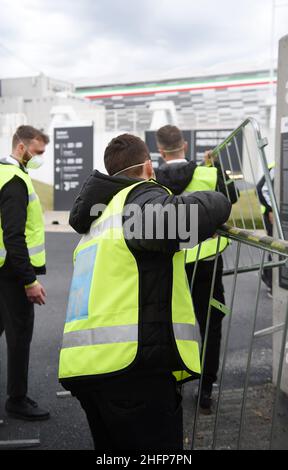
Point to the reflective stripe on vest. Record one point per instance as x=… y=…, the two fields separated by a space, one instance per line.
x=101 y=329
x=204 y=179
x=34 y=229
x=119 y=334
x=32 y=251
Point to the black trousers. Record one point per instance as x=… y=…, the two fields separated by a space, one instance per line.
x=133 y=412
x=17 y=319
x=200 y=296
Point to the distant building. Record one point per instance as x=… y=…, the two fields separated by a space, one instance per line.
x=32 y=99
x=218 y=101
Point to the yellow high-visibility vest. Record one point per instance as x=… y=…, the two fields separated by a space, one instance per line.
x=34 y=229
x=204 y=179
x=102 y=323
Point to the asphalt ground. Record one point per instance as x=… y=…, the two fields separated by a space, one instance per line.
x=67 y=428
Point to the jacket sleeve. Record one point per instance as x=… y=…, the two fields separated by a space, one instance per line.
x=13 y=208
x=93 y=191
x=80 y=218
x=226 y=185
x=213 y=211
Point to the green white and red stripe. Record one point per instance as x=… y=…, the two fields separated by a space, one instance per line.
x=192 y=85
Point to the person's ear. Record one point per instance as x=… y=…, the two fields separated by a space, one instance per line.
x=185 y=146
x=162 y=152
x=149 y=170
x=21 y=147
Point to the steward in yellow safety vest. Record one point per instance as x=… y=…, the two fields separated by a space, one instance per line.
x=267 y=212
x=129 y=311
x=34 y=227
x=22 y=258
x=185 y=178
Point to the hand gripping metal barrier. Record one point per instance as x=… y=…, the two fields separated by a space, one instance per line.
x=241 y=155
x=238 y=429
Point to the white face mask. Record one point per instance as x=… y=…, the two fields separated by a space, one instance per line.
x=133 y=166
x=35 y=162
x=128 y=168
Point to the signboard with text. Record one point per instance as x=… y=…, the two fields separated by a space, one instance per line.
x=208 y=139
x=201 y=140
x=73 y=163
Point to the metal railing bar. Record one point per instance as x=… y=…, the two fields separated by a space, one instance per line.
x=244 y=180
x=204 y=346
x=239 y=205
x=279 y=377
x=226 y=189
x=230 y=137
x=248 y=269
x=261 y=144
x=253 y=176
x=21 y=443
x=247 y=376
x=279 y=247
x=269 y=330
x=226 y=346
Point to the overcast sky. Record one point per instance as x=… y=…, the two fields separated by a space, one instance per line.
x=116 y=41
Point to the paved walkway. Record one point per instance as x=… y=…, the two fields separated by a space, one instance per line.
x=68 y=429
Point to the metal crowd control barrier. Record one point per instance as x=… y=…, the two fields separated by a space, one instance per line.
x=250 y=251
x=240 y=155
x=263 y=244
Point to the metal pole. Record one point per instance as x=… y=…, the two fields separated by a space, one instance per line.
x=204 y=346
x=278 y=247
x=226 y=346
x=261 y=144
x=249 y=269
x=279 y=376
x=245 y=391
x=19 y=444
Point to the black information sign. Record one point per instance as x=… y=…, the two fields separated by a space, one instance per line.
x=73 y=163
x=150 y=139
x=208 y=139
x=283 y=271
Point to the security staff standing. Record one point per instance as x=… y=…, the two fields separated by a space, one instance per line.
x=129 y=331
x=183 y=178
x=22 y=257
x=267 y=212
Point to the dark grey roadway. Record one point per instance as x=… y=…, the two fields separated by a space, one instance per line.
x=67 y=428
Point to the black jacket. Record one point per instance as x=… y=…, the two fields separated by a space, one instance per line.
x=13 y=210
x=213 y=208
x=177 y=176
x=259 y=189
x=157 y=349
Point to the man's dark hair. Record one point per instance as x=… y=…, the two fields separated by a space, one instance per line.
x=124 y=151
x=27 y=133
x=169 y=138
